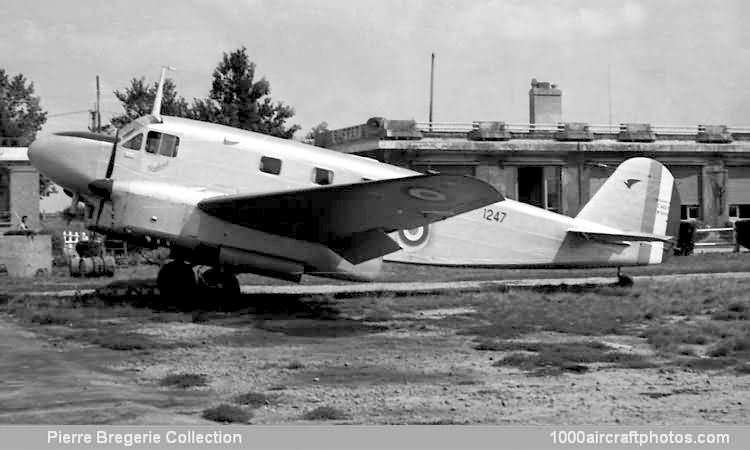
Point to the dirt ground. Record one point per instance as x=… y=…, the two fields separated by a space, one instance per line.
x=395 y=360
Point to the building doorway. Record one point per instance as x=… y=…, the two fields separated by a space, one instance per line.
x=540 y=186
x=531 y=185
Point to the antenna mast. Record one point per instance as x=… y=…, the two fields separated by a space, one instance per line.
x=609 y=93
x=432 y=82
x=97 y=109
x=156 y=109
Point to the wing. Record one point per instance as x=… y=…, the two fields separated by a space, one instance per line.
x=355 y=218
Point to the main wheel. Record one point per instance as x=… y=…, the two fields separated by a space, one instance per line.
x=176 y=282
x=222 y=282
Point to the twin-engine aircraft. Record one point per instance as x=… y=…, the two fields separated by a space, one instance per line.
x=242 y=202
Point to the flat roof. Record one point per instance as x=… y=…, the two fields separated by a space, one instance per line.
x=14 y=154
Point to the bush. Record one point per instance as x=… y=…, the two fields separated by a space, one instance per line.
x=325 y=413
x=227 y=414
x=184 y=380
x=294 y=365
x=253 y=399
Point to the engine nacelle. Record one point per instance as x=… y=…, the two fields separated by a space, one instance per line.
x=242 y=261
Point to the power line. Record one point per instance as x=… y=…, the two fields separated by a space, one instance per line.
x=70 y=113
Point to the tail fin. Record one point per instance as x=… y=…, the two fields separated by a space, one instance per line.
x=640 y=196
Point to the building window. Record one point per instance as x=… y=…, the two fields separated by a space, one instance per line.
x=5 y=215
x=689 y=212
x=739 y=211
x=270 y=165
x=322 y=177
x=134 y=143
x=162 y=144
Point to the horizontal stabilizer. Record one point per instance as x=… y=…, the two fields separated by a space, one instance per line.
x=619 y=238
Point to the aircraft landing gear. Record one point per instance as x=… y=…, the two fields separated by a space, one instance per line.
x=176 y=281
x=220 y=281
x=623 y=280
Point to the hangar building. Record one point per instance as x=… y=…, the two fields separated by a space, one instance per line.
x=559 y=165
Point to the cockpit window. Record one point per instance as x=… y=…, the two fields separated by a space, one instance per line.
x=134 y=143
x=162 y=144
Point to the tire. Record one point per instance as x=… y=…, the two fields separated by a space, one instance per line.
x=98 y=266
x=109 y=266
x=176 y=282
x=87 y=267
x=75 y=266
x=225 y=284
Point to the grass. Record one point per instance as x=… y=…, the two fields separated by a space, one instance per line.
x=254 y=399
x=227 y=414
x=184 y=380
x=687 y=323
x=118 y=341
x=549 y=358
x=701 y=324
x=704 y=262
x=294 y=365
x=325 y=413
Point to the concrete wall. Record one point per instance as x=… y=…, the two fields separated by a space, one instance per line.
x=26 y=256
x=24 y=195
x=495 y=176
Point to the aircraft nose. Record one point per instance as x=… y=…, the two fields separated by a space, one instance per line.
x=67 y=159
x=39 y=153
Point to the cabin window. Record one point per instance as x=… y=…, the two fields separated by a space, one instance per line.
x=322 y=177
x=134 y=143
x=162 y=144
x=270 y=165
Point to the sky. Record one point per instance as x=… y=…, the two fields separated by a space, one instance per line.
x=666 y=62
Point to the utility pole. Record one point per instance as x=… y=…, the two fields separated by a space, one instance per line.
x=98 y=109
x=432 y=82
x=609 y=93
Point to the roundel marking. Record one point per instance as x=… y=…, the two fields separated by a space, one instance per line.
x=426 y=194
x=415 y=236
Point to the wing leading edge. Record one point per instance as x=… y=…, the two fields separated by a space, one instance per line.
x=354 y=219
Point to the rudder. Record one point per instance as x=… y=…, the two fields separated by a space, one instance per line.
x=640 y=196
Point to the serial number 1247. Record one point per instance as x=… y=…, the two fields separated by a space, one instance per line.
x=493 y=215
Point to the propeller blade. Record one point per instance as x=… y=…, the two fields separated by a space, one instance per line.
x=111 y=165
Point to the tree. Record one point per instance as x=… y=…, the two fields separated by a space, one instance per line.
x=21 y=115
x=237 y=100
x=138 y=99
x=316 y=131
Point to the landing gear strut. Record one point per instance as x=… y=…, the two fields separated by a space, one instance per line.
x=622 y=279
x=220 y=281
x=176 y=281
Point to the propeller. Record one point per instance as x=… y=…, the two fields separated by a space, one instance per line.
x=111 y=165
x=103 y=186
